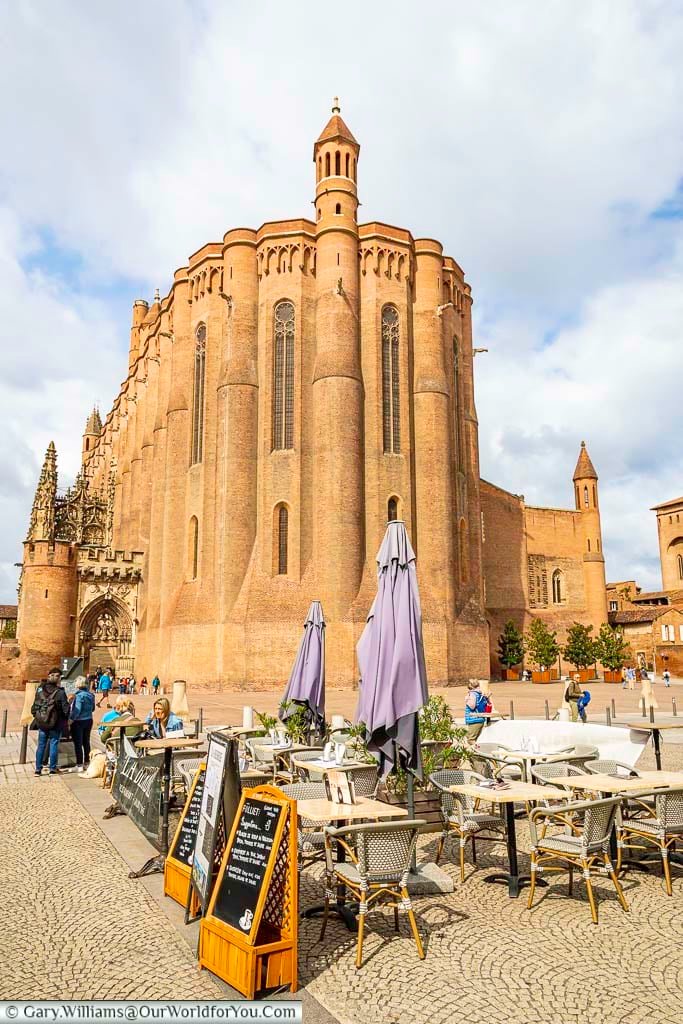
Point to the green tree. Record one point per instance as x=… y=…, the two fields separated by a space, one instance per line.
x=541 y=644
x=510 y=645
x=611 y=647
x=580 y=647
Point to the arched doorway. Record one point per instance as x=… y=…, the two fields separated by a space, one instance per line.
x=105 y=636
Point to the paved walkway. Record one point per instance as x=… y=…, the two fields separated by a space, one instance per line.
x=491 y=961
x=73 y=924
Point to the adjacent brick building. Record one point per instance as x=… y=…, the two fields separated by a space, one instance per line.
x=296 y=387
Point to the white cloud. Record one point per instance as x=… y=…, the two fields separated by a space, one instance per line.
x=533 y=138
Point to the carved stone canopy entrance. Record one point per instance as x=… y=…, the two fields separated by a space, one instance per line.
x=105 y=635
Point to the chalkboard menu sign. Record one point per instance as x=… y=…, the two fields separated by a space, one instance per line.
x=247 y=863
x=186 y=836
x=219 y=799
x=137 y=787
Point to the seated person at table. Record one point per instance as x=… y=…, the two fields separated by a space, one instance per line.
x=161 y=721
x=123 y=709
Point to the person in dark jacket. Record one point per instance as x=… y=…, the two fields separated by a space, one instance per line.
x=82 y=709
x=50 y=710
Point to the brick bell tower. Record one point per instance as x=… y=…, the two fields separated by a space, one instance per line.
x=586 y=497
x=338 y=537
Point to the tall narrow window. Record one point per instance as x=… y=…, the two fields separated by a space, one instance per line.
x=193 y=549
x=282 y=529
x=347 y=165
x=585 y=496
x=198 y=394
x=557 y=587
x=327 y=165
x=464 y=560
x=595 y=496
x=391 y=407
x=680 y=567
x=456 y=407
x=392 y=510
x=283 y=376
x=337 y=163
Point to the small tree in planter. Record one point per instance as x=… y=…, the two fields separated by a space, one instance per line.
x=443 y=746
x=542 y=647
x=298 y=721
x=613 y=651
x=510 y=649
x=580 y=649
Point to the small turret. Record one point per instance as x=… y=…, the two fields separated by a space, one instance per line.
x=335 y=155
x=93 y=429
x=586 y=498
x=140 y=311
x=42 y=522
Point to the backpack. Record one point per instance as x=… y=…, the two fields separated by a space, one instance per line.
x=483 y=705
x=47 y=713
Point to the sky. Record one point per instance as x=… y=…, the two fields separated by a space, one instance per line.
x=541 y=141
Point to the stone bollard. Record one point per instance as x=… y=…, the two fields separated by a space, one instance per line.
x=547 y=712
x=3 y=728
x=512 y=711
x=673 y=705
x=608 y=716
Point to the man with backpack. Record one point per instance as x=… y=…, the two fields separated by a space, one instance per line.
x=477 y=704
x=50 y=710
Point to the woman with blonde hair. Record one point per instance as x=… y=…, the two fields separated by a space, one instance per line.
x=162 y=722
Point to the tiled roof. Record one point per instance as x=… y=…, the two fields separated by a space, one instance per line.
x=631 y=615
x=584 y=466
x=649 y=595
x=8 y=611
x=665 y=504
x=336 y=128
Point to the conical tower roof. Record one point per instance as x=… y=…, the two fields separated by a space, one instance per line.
x=336 y=128
x=584 y=467
x=94 y=424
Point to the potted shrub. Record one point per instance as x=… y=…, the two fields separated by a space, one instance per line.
x=613 y=651
x=542 y=646
x=510 y=650
x=443 y=746
x=580 y=650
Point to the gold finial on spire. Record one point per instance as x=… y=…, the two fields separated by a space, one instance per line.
x=336 y=109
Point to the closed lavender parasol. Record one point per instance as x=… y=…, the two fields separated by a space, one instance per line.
x=393 y=684
x=306 y=684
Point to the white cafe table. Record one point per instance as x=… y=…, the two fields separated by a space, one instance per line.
x=318 y=765
x=327 y=812
x=515 y=792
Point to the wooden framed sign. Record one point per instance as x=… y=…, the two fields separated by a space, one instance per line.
x=249 y=935
x=178 y=864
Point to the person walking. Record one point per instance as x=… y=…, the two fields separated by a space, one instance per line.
x=624 y=677
x=572 y=695
x=666 y=677
x=50 y=710
x=82 y=710
x=105 y=686
x=143 y=686
x=476 y=704
x=131 y=684
x=156 y=683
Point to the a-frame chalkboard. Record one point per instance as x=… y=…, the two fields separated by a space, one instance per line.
x=220 y=796
x=178 y=864
x=249 y=934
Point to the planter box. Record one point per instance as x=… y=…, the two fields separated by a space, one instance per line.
x=612 y=676
x=427 y=806
x=511 y=674
x=540 y=677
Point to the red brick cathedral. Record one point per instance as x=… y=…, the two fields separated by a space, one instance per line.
x=297 y=386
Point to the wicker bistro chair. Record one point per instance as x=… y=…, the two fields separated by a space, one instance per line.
x=260 y=779
x=365 y=780
x=380 y=854
x=490 y=767
x=262 y=758
x=633 y=807
x=545 y=774
x=588 y=850
x=303 y=773
x=187 y=768
x=460 y=816
x=661 y=830
x=310 y=838
x=580 y=756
